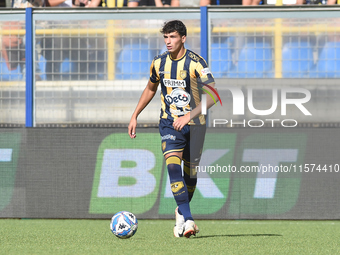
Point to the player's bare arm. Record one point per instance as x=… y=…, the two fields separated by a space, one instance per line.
x=210 y=102
x=147 y=95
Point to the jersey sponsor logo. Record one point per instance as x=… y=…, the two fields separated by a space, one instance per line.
x=178 y=97
x=172 y=83
x=205 y=71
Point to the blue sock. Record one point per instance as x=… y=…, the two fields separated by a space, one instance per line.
x=185 y=208
x=178 y=186
x=190 y=178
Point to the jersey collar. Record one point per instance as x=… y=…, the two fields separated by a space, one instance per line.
x=177 y=59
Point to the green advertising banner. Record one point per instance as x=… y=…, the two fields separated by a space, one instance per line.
x=94 y=173
x=127 y=174
x=211 y=192
x=9 y=153
x=131 y=175
x=267 y=181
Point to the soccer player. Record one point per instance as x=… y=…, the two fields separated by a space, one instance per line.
x=182 y=75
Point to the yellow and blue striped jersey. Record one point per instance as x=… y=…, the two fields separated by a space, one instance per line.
x=181 y=80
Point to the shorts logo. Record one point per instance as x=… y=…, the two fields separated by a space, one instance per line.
x=163 y=145
x=183 y=74
x=178 y=97
x=171 y=137
x=176 y=186
x=173 y=83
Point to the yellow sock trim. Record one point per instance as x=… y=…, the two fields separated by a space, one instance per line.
x=191 y=188
x=186 y=169
x=190 y=170
x=173 y=160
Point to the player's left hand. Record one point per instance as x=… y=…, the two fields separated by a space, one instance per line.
x=180 y=122
x=132 y=128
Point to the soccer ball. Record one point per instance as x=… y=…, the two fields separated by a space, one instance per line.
x=124 y=224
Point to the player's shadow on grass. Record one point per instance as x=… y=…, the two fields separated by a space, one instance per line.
x=241 y=235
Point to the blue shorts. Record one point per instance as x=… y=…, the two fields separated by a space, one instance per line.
x=189 y=140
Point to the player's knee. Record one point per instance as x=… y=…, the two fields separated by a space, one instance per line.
x=178 y=154
x=173 y=163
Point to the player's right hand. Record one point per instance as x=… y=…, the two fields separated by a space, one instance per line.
x=132 y=128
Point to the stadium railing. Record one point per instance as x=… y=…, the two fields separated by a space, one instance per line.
x=89 y=66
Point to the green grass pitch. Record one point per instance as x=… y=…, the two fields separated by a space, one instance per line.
x=42 y=236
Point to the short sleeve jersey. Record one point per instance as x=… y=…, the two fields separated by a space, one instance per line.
x=181 y=82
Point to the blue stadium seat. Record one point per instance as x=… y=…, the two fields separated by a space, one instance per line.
x=297 y=59
x=97 y=69
x=328 y=65
x=221 y=60
x=134 y=62
x=254 y=61
x=42 y=67
x=67 y=68
x=9 y=75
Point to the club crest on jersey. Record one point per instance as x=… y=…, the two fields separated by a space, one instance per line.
x=183 y=74
x=178 y=97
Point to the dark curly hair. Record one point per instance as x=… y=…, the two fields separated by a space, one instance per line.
x=174 y=26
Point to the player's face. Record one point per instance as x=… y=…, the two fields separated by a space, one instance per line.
x=174 y=42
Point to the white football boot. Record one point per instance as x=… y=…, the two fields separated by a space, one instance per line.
x=179 y=226
x=190 y=228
